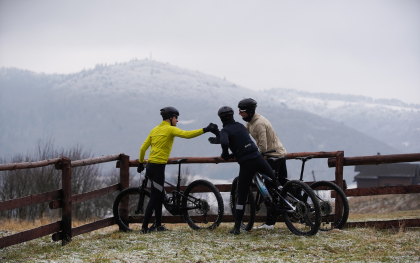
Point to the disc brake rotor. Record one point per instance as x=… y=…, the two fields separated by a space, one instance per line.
x=204 y=207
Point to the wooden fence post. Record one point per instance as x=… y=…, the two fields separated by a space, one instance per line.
x=339 y=180
x=65 y=167
x=125 y=183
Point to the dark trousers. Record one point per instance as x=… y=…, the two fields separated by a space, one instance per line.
x=156 y=174
x=280 y=168
x=247 y=170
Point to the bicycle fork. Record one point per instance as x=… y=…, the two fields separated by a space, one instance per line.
x=140 y=208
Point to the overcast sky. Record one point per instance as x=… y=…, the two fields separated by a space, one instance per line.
x=366 y=47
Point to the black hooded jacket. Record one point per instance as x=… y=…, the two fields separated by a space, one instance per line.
x=235 y=136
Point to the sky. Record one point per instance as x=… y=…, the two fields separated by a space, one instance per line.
x=362 y=47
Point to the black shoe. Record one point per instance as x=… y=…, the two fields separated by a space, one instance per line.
x=145 y=231
x=153 y=227
x=161 y=228
x=158 y=228
x=235 y=231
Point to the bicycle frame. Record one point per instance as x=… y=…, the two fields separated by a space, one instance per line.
x=172 y=204
x=263 y=193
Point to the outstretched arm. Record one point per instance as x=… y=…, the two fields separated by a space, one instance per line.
x=186 y=134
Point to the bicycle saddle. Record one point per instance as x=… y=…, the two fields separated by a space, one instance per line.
x=275 y=159
x=180 y=160
x=305 y=158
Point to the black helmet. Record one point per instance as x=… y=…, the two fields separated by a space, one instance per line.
x=169 y=112
x=225 y=112
x=246 y=104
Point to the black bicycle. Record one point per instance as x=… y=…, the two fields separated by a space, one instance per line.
x=332 y=202
x=200 y=205
x=295 y=201
x=332 y=199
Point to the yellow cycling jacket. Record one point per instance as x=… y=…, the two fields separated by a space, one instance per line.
x=161 y=138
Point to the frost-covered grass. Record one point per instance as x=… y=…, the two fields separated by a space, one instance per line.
x=181 y=244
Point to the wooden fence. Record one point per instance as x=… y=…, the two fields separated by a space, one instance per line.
x=63 y=199
x=375 y=160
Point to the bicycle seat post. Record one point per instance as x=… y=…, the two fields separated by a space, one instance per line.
x=303 y=167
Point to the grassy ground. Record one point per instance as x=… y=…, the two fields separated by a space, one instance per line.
x=181 y=244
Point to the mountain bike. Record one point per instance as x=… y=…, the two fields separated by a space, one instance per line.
x=200 y=204
x=332 y=201
x=295 y=201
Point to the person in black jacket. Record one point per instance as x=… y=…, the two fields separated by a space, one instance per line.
x=234 y=136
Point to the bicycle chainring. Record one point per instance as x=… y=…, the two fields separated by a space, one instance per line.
x=134 y=213
x=301 y=210
x=326 y=208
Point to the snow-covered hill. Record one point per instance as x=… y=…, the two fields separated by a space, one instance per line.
x=111 y=109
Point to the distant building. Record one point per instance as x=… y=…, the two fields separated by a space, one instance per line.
x=392 y=174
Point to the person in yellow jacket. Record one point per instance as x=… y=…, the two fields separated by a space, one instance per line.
x=266 y=138
x=161 y=139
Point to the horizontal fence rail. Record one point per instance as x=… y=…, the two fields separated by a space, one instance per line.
x=377 y=159
x=216 y=159
x=30 y=200
x=16 y=166
x=385 y=190
x=30 y=234
x=96 y=160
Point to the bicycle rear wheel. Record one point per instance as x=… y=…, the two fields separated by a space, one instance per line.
x=249 y=214
x=202 y=205
x=305 y=219
x=334 y=205
x=125 y=208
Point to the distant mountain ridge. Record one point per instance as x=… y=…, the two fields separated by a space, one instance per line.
x=389 y=120
x=111 y=109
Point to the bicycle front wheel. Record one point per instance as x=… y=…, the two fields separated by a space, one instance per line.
x=334 y=205
x=249 y=209
x=302 y=212
x=128 y=213
x=202 y=205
